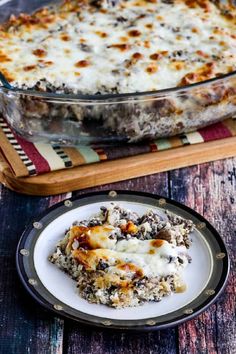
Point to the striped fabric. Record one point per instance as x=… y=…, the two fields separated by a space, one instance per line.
x=30 y=159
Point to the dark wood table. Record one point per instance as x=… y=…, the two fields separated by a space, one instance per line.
x=25 y=327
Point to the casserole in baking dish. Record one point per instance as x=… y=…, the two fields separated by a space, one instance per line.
x=103 y=71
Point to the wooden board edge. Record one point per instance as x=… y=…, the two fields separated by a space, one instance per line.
x=117 y=170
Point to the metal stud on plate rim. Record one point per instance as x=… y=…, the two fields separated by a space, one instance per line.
x=68 y=203
x=37 y=225
x=32 y=281
x=220 y=255
x=201 y=226
x=151 y=323
x=58 y=307
x=210 y=292
x=112 y=194
x=24 y=252
x=107 y=323
x=162 y=201
x=188 y=311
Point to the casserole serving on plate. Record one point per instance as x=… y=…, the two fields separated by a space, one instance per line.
x=122 y=71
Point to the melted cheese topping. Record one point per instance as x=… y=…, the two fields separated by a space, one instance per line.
x=137 y=45
x=90 y=237
x=91 y=245
x=131 y=261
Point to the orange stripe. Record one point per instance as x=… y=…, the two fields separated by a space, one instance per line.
x=175 y=141
x=101 y=154
x=103 y=157
x=231 y=125
x=76 y=158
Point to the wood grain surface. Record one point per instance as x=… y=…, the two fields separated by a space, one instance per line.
x=26 y=327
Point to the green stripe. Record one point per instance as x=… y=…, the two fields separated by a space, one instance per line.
x=88 y=154
x=163 y=144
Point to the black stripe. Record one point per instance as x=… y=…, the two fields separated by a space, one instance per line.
x=28 y=164
x=33 y=172
x=68 y=164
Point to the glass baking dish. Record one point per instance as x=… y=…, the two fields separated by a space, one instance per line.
x=114 y=118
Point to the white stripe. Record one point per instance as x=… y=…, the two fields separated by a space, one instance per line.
x=22 y=153
x=54 y=161
x=30 y=168
x=194 y=138
x=10 y=135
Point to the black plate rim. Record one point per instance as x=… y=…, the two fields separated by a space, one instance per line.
x=186 y=317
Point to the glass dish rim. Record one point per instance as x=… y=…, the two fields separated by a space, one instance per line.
x=148 y=95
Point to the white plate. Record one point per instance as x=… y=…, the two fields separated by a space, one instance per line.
x=205 y=276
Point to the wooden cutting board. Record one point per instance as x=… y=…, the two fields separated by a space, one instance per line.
x=117 y=170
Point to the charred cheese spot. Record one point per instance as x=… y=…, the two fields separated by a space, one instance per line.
x=164 y=52
x=124 y=39
x=204 y=4
x=40 y=53
x=202 y=54
x=46 y=63
x=222 y=43
x=152 y=69
x=90 y=237
x=134 y=33
x=137 y=56
x=65 y=37
x=157 y=242
x=130 y=267
x=30 y=67
x=155 y=56
x=4 y=58
x=101 y=34
x=82 y=63
x=103 y=11
x=122 y=46
x=178 y=65
x=146 y=44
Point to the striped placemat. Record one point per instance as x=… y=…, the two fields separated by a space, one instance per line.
x=31 y=159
